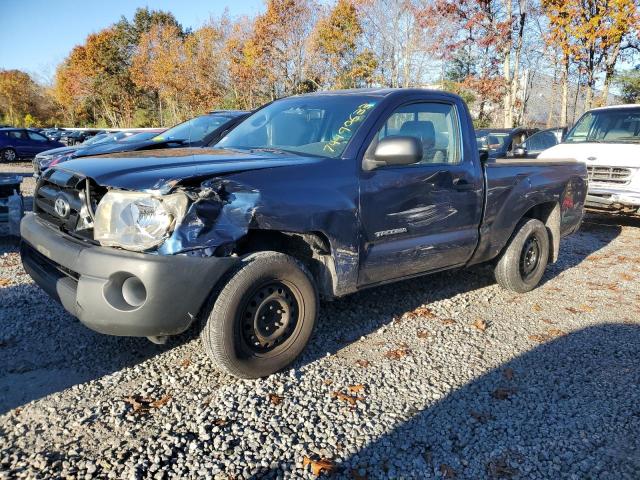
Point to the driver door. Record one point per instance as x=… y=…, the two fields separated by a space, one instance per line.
x=424 y=216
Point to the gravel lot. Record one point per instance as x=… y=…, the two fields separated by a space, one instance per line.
x=446 y=376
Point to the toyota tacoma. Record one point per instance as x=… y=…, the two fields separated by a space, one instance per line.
x=312 y=196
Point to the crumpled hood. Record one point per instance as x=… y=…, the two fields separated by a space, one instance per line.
x=162 y=169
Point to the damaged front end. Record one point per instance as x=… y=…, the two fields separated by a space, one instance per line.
x=219 y=215
x=201 y=221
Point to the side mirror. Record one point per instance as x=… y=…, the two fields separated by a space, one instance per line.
x=394 y=151
x=520 y=151
x=484 y=155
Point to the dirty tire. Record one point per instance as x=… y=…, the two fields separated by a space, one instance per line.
x=262 y=317
x=525 y=258
x=8 y=155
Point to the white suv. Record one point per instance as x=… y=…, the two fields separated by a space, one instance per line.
x=608 y=140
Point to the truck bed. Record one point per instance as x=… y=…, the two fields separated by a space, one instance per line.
x=514 y=186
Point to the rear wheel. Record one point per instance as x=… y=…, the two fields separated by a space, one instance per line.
x=522 y=264
x=8 y=155
x=263 y=317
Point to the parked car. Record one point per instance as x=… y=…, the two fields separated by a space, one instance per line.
x=198 y=132
x=42 y=160
x=80 y=136
x=322 y=194
x=607 y=139
x=500 y=142
x=538 y=142
x=53 y=133
x=18 y=143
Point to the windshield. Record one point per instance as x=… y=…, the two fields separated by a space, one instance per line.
x=138 y=137
x=607 y=126
x=194 y=130
x=494 y=141
x=316 y=125
x=96 y=139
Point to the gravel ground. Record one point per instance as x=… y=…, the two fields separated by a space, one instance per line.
x=446 y=376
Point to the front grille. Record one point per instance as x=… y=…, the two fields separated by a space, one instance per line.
x=70 y=189
x=615 y=175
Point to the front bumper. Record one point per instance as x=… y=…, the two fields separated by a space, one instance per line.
x=89 y=282
x=612 y=199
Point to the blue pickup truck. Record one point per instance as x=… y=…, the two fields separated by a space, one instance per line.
x=317 y=195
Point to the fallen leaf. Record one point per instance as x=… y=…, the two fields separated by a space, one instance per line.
x=424 y=312
x=508 y=373
x=327 y=381
x=4 y=282
x=275 y=399
x=481 y=417
x=144 y=404
x=480 y=324
x=536 y=308
x=548 y=335
x=220 y=422
x=499 y=468
x=556 y=332
x=423 y=334
x=345 y=398
x=448 y=321
x=447 y=471
x=572 y=310
x=320 y=466
x=357 y=476
x=503 y=393
x=363 y=363
x=397 y=353
x=355 y=388
x=626 y=276
x=162 y=401
x=185 y=362
x=549 y=322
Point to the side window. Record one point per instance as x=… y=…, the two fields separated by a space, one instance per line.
x=36 y=136
x=541 y=141
x=434 y=124
x=18 y=135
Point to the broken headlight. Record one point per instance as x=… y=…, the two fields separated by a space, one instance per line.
x=137 y=221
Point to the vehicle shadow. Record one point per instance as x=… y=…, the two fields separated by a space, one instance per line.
x=374 y=308
x=44 y=350
x=566 y=409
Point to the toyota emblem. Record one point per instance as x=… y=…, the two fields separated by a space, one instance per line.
x=62 y=208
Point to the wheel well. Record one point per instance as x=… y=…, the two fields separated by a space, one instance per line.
x=549 y=214
x=312 y=249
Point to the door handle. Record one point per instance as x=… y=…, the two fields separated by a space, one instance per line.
x=461 y=185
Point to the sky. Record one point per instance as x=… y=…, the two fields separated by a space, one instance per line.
x=36 y=35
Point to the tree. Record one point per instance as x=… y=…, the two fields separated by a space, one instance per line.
x=23 y=102
x=336 y=56
x=559 y=37
x=629 y=83
x=392 y=31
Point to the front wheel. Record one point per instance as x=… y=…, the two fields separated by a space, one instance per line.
x=8 y=155
x=522 y=264
x=263 y=317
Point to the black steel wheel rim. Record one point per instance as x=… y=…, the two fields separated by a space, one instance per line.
x=270 y=317
x=530 y=258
